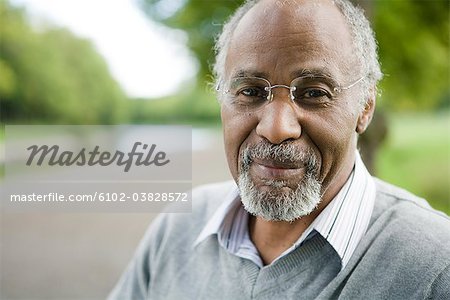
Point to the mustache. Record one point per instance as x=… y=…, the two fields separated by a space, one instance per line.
x=285 y=152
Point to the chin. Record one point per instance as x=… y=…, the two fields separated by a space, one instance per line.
x=277 y=202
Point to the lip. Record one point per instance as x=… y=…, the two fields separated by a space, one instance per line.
x=270 y=169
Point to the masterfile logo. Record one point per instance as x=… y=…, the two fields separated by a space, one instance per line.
x=62 y=153
x=97 y=168
x=53 y=156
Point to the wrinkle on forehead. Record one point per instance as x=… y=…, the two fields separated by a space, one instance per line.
x=293 y=14
x=313 y=28
x=270 y=7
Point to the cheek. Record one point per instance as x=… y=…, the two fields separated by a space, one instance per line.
x=236 y=130
x=335 y=137
x=337 y=127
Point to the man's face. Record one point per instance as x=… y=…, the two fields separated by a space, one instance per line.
x=277 y=43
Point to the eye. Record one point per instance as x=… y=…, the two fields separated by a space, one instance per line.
x=253 y=92
x=314 y=93
x=312 y=90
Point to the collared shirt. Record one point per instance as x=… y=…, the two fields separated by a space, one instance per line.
x=342 y=223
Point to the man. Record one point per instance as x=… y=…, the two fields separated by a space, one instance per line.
x=303 y=219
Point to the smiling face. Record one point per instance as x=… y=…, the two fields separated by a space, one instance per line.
x=278 y=43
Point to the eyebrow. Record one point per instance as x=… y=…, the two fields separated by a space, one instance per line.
x=317 y=72
x=249 y=73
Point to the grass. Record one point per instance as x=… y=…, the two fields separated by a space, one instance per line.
x=416 y=156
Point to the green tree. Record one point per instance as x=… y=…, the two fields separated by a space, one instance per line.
x=415 y=54
x=48 y=75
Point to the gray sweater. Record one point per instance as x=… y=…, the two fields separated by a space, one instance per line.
x=405 y=254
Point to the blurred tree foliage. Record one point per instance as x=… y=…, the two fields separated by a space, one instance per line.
x=202 y=20
x=412 y=34
x=49 y=75
x=415 y=53
x=198 y=107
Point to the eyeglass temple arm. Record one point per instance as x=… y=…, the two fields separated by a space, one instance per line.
x=353 y=84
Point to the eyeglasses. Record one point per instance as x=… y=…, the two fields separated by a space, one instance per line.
x=252 y=93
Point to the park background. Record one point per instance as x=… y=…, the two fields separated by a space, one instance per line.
x=50 y=75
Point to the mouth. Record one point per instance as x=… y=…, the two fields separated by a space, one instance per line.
x=278 y=170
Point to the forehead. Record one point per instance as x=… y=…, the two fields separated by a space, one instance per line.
x=286 y=38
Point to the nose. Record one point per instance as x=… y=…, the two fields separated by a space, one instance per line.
x=278 y=122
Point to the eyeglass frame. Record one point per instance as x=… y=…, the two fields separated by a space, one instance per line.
x=337 y=89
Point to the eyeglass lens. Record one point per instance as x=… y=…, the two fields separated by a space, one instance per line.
x=252 y=93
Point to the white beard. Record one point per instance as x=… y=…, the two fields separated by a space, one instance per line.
x=278 y=203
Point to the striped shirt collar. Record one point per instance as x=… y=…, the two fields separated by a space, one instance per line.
x=342 y=223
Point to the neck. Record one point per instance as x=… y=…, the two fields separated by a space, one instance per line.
x=272 y=238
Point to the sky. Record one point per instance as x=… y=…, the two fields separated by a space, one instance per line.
x=147 y=59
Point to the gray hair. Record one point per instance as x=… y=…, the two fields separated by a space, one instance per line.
x=364 y=43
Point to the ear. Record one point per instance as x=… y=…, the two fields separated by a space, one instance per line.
x=366 y=114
